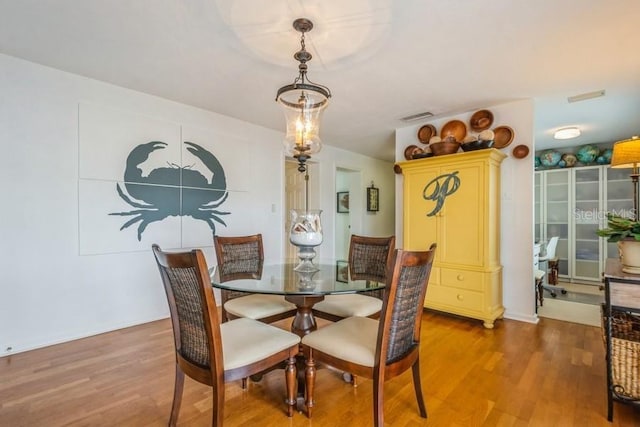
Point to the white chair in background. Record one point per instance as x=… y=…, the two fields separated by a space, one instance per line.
x=550 y=260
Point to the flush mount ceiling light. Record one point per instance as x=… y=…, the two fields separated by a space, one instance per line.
x=303 y=103
x=567 y=133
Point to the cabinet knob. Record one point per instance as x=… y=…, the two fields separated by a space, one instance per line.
x=460 y=277
x=460 y=297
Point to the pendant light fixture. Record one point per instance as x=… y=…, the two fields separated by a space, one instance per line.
x=303 y=103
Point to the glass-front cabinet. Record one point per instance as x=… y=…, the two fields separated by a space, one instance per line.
x=572 y=204
x=587 y=206
x=556 y=212
x=537 y=206
x=618 y=199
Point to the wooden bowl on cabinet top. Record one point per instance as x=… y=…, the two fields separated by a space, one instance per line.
x=454 y=128
x=444 y=147
x=477 y=145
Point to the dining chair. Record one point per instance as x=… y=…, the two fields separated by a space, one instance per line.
x=242 y=257
x=379 y=349
x=212 y=352
x=369 y=259
x=550 y=260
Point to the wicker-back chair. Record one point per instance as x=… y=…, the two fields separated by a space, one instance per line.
x=378 y=349
x=242 y=257
x=208 y=351
x=369 y=259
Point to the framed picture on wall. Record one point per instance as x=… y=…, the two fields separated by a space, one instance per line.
x=343 y=202
x=342 y=271
x=373 y=199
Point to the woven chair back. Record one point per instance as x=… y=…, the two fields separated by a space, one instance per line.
x=192 y=305
x=402 y=310
x=370 y=257
x=239 y=257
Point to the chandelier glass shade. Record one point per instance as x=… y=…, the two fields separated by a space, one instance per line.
x=303 y=110
x=303 y=103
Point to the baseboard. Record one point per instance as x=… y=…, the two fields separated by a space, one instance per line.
x=528 y=318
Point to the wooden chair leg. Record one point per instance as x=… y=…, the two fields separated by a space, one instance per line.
x=378 y=402
x=218 y=404
x=177 y=396
x=350 y=378
x=553 y=273
x=310 y=378
x=540 y=291
x=291 y=375
x=418 y=387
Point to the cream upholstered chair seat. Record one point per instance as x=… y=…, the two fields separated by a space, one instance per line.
x=246 y=341
x=349 y=305
x=369 y=259
x=352 y=340
x=258 y=306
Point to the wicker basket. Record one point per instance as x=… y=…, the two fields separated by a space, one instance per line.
x=625 y=352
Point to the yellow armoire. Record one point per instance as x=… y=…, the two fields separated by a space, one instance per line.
x=454 y=200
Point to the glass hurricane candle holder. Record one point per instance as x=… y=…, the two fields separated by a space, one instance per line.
x=306 y=234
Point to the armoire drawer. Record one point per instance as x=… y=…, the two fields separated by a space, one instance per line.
x=463 y=279
x=439 y=296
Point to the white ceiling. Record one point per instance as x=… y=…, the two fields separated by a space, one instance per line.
x=382 y=59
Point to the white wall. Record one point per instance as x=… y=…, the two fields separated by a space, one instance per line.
x=51 y=293
x=516 y=240
x=381 y=223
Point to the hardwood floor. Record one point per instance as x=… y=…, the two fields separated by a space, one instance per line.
x=518 y=374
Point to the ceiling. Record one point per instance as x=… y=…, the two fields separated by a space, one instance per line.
x=382 y=59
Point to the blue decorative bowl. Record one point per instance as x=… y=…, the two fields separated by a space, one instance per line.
x=606 y=154
x=587 y=154
x=549 y=158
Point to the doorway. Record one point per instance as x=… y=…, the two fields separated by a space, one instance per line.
x=348 y=216
x=295 y=196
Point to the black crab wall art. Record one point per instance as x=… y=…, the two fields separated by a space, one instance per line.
x=145 y=180
x=172 y=190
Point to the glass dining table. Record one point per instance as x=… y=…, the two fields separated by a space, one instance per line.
x=304 y=289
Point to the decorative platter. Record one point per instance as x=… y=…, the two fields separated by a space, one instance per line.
x=426 y=132
x=520 y=151
x=503 y=136
x=481 y=120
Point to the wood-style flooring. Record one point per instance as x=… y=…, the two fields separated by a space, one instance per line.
x=518 y=374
